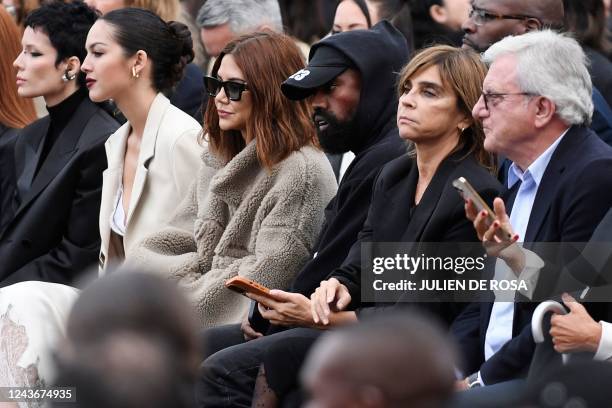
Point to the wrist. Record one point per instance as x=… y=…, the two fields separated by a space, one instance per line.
x=514 y=257
x=338 y=319
x=594 y=337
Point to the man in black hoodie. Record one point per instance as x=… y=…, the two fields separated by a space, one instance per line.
x=352 y=80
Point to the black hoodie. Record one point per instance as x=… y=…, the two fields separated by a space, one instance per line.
x=379 y=54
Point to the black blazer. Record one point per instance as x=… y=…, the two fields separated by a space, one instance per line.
x=573 y=197
x=439 y=217
x=8 y=136
x=54 y=234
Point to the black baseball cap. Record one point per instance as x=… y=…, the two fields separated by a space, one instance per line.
x=325 y=64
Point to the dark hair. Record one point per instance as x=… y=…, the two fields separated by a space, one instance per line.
x=168 y=45
x=398 y=12
x=66 y=25
x=141 y=303
x=280 y=126
x=587 y=20
x=303 y=20
x=426 y=31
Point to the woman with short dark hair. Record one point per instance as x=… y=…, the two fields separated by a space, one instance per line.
x=59 y=159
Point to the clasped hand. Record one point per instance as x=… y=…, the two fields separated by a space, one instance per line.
x=284 y=308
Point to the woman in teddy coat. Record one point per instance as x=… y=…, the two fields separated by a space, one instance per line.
x=260 y=215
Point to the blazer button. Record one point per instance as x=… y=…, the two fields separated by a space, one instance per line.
x=26 y=243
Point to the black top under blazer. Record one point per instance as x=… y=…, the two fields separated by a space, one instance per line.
x=439 y=216
x=54 y=233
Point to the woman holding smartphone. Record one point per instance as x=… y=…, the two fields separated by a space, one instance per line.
x=260 y=214
x=413 y=201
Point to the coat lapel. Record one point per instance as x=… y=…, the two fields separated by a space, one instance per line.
x=147 y=150
x=111 y=179
x=61 y=152
x=26 y=159
x=549 y=184
x=397 y=202
x=431 y=198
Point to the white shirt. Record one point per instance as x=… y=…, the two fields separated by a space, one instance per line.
x=345 y=162
x=501 y=321
x=117 y=221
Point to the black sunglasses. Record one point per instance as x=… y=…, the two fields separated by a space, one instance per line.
x=233 y=89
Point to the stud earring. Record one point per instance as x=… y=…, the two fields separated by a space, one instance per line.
x=134 y=73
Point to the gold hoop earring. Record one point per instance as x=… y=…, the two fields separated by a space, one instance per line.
x=134 y=73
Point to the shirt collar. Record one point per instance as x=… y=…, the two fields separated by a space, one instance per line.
x=536 y=170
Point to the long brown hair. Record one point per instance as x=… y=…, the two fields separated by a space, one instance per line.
x=15 y=111
x=464 y=72
x=279 y=126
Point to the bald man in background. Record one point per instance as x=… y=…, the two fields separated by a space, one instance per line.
x=393 y=361
x=492 y=20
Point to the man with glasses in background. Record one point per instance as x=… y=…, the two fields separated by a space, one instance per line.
x=535 y=108
x=491 y=20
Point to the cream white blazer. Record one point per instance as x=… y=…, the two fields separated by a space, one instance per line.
x=167 y=165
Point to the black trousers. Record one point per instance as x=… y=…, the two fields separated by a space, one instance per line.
x=227 y=375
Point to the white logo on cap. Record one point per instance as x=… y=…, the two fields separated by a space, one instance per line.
x=301 y=74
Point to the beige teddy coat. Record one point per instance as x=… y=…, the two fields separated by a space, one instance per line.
x=249 y=221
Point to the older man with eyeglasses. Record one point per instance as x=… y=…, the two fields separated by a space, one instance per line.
x=535 y=109
x=491 y=20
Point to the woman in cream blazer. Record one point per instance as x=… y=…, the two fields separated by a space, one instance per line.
x=153 y=158
x=168 y=160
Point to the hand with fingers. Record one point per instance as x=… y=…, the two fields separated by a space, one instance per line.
x=494 y=235
x=247 y=330
x=284 y=308
x=575 y=331
x=330 y=296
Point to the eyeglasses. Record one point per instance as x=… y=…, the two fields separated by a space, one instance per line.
x=233 y=89
x=480 y=16
x=497 y=97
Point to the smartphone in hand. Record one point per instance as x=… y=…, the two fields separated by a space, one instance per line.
x=243 y=285
x=465 y=189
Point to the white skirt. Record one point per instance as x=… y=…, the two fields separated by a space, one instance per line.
x=33 y=318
